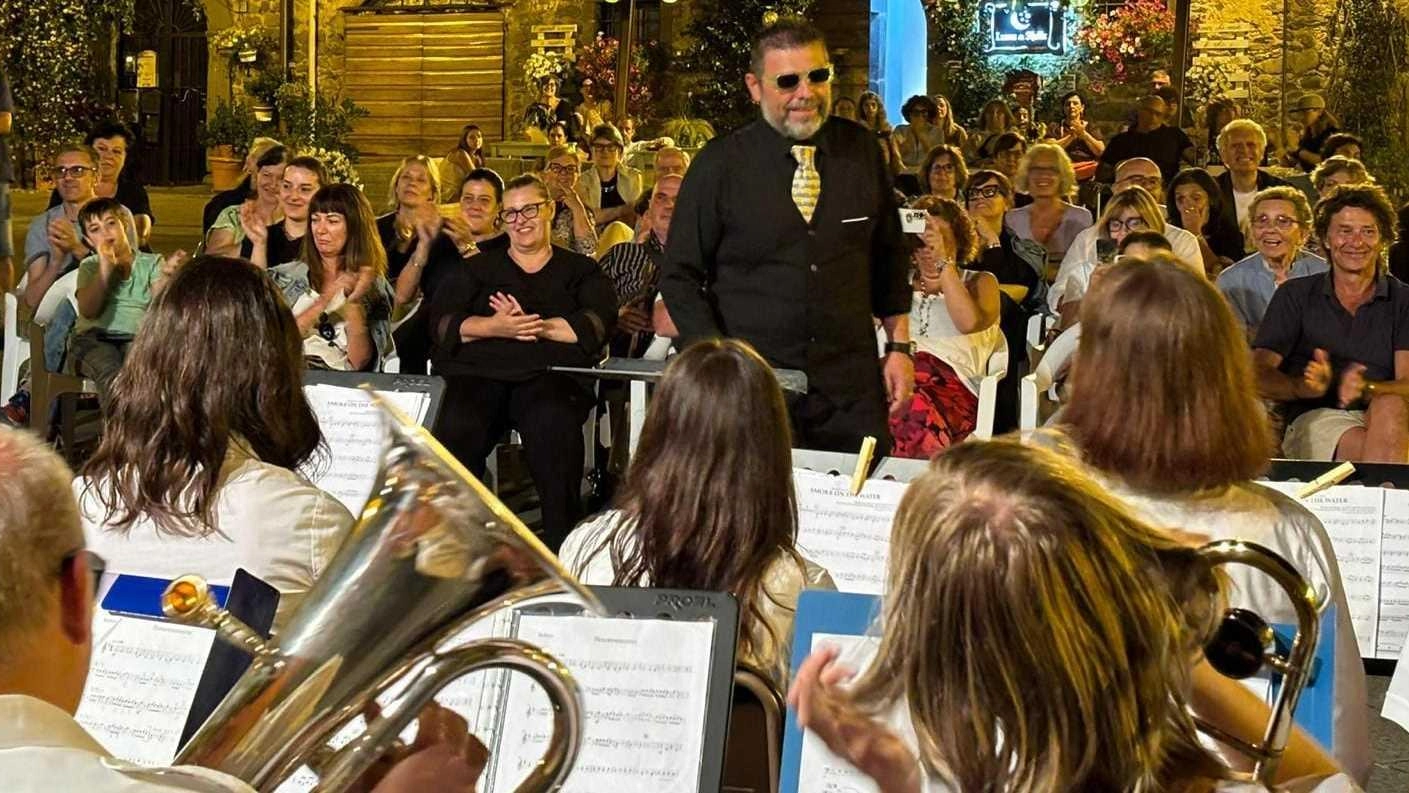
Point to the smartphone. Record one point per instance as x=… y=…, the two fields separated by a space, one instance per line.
x=1105 y=252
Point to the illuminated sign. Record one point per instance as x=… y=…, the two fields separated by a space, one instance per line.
x=1026 y=28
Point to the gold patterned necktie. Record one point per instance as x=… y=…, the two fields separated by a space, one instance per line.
x=807 y=183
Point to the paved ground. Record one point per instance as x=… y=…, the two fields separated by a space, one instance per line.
x=178 y=211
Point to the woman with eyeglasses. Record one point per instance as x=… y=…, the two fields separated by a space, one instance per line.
x=919 y=134
x=549 y=108
x=954 y=323
x=338 y=290
x=1128 y=210
x=944 y=173
x=1046 y=174
x=499 y=327
x=610 y=187
x=227 y=233
x=1280 y=221
x=574 y=226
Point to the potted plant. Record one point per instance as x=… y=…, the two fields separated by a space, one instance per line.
x=263 y=90
x=688 y=133
x=243 y=45
x=226 y=136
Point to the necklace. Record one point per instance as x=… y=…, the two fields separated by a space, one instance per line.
x=923 y=322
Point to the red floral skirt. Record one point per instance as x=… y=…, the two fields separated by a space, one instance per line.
x=942 y=411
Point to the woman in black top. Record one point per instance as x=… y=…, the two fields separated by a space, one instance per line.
x=499 y=327
x=1196 y=205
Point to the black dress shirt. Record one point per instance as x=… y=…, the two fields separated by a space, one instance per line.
x=1165 y=145
x=742 y=262
x=570 y=286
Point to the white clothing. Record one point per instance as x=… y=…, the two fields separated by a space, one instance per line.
x=1242 y=202
x=269 y=520
x=42 y=749
x=1396 y=707
x=583 y=554
x=934 y=332
x=333 y=352
x=1251 y=512
x=1075 y=271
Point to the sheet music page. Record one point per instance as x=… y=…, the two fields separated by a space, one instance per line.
x=849 y=535
x=644 y=687
x=1394 y=575
x=1353 y=516
x=820 y=771
x=141 y=683
x=352 y=427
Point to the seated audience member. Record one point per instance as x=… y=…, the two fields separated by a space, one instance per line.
x=919 y=135
x=468 y=155
x=636 y=150
x=444 y=244
x=1342 y=144
x=338 y=290
x=1151 y=137
x=241 y=192
x=115 y=286
x=53 y=245
x=1081 y=259
x=549 y=109
x=227 y=233
x=670 y=161
x=280 y=243
x=415 y=188
x=845 y=107
x=557 y=135
x=1026 y=126
x=1280 y=226
x=1047 y=176
x=1008 y=151
x=48 y=592
x=1184 y=458
x=573 y=224
x=1243 y=144
x=943 y=173
x=1196 y=205
x=196 y=470
x=1336 y=171
x=1082 y=145
x=609 y=187
x=499 y=326
x=994 y=119
x=1144 y=245
x=1318 y=125
x=112 y=141
x=634 y=268
x=871 y=114
x=1025 y=601
x=1342 y=382
x=715 y=447
x=954 y=324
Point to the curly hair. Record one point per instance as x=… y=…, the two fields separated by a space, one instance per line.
x=947 y=209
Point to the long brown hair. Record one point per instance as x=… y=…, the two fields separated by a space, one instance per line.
x=218 y=358
x=708 y=501
x=1162 y=384
x=363 y=249
x=1039 y=636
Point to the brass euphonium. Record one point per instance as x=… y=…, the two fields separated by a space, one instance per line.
x=1244 y=643
x=433 y=552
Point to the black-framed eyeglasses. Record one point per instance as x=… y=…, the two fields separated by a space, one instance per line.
x=603 y=146
x=987 y=191
x=1129 y=224
x=97 y=565
x=528 y=212
x=560 y=170
x=791 y=80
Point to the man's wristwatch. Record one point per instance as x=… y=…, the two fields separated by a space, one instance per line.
x=902 y=347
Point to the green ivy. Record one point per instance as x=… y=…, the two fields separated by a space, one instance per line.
x=1367 y=95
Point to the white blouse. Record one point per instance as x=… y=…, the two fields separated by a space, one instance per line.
x=269 y=521
x=782 y=584
x=934 y=332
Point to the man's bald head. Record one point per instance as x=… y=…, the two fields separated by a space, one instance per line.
x=1139 y=172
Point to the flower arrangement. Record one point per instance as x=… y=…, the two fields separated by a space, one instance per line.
x=543 y=64
x=243 y=37
x=1137 y=32
x=597 y=62
x=336 y=163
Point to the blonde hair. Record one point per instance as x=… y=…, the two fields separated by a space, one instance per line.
x=1241 y=125
x=1040 y=637
x=1137 y=198
x=432 y=173
x=1067 y=187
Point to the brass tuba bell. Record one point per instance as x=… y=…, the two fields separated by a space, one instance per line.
x=433 y=552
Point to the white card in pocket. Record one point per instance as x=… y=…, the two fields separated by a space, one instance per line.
x=912 y=221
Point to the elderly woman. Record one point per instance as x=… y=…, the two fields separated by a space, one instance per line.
x=227 y=233
x=499 y=329
x=954 y=322
x=1336 y=171
x=1196 y=205
x=1280 y=225
x=915 y=138
x=943 y=173
x=573 y=225
x=1046 y=174
x=1082 y=145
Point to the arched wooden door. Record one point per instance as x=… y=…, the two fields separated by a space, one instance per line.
x=167 y=116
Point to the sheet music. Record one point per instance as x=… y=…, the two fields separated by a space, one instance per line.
x=1353 y=516
x=1394 y=575
x=848 y=535
x=141 y=682
x=644 y=689
x=352 y=427
x=819 y=770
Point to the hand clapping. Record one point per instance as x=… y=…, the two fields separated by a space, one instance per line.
x=1316 y=377
x=510 y=321
x=254 y=225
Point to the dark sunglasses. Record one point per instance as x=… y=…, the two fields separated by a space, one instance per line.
x=97 y=565
x=791 y=80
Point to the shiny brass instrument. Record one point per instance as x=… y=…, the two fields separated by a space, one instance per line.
x=1244 y=643
x=433 y=552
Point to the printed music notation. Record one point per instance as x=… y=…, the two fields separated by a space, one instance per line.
x=352 y=427
x=141 y=683
x=819 y=770
x=847 y=534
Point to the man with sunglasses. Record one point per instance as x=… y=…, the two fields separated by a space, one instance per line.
x=48 y=584
x=786 y=235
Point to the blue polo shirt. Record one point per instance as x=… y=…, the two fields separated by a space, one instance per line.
x=1249 y=284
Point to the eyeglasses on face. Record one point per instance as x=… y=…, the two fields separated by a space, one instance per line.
x=604 y=145
x=72 y=171
x=560 y=170
x=987 y=191
x=1115 y=225
x=96 y=565
x=1280 y=222
x=527 y=212
x=791 y=80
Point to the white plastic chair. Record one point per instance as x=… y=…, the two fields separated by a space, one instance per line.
x=988 y=390
x=1037 y=327
x=16 y=348
x=1037 y=392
